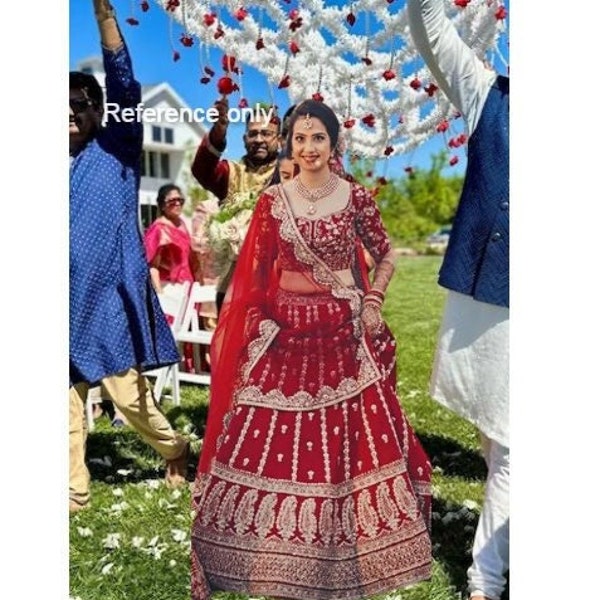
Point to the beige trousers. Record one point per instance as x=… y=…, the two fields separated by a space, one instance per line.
x=133 y=396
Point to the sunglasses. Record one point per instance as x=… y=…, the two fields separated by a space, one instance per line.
x=268 y=134
x=78 y=105
x=174 y=201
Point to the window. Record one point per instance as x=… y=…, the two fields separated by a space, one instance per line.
x=164 y=165
x=156 y=134
x=156 y=165
x=168 y=135
x=148 y=213
x=152 y=166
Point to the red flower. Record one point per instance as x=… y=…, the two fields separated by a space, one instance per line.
x=209 y=71
x=367 y=60
x=294 y=14
x=176 y=56
x=389 y=1
x=349 y=123
x=462 y=3
x=145 y=6
x=260 y=44
x=218 y=33
x=294 y=49
x=369 y=173
x=415 y=84
x=500 y=13
x=204 y=79
x=462 y=139
x=243 y=103
x=350 y=19
x=132 y=21
x=186 y=40
x=443 y=126
x=369 y=120
x=172 y=5
x=431 y=89
x=452 y=143
x=389 y=150
x=209 y=18
x=388 y=74
x=382 y=181
x=225 y=85
x=453 y=161
x=285 y=82
x=241 y=13
x=317 y=97
x=228 y=64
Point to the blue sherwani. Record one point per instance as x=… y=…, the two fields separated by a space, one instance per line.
x=115 y=319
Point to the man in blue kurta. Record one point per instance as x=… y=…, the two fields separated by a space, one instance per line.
x=116 y=326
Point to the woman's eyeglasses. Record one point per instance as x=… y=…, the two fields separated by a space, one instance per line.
x=174 y=201
x=78 y=105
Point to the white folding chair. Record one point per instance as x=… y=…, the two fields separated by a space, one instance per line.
x=190 y=331
x=174 y=304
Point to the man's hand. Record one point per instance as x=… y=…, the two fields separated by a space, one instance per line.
x=218 y=132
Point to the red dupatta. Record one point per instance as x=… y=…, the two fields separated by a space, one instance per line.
x=255 y=279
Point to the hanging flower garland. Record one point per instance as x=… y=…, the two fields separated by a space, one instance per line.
x=358 y=57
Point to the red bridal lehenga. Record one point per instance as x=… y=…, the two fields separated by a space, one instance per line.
x=311 y=483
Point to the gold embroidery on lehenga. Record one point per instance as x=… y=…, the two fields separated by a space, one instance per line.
x=286 y=519
x=227 y=507
x=367 y=515
x=307 y=521
x=297 y=425
x=326 y=522
x=244 y=514
x=267 y=448
x=265 y=516
x=267 y=329
x=404 y=498
x=386 y=507
x=209 y=509
x=325 y=446
x=349 y=520
x=369 y=434
x=243 y=434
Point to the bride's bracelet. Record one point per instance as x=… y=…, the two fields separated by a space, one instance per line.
x=373 y=297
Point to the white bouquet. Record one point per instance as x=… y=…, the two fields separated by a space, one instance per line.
x=227 y=229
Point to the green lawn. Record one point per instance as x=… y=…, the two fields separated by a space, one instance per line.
x=133 y=543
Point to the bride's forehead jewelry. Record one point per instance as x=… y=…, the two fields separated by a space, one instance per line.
x=307 y=121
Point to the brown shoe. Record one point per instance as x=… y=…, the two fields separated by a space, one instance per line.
x=176 y=472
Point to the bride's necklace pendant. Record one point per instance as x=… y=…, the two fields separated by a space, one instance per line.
x=313 y=196
x=312 y=209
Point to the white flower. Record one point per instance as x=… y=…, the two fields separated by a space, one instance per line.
x=179 y=535
x=117 y=492
x=172 y=563
x=111 y=541
x=153 y=484
x=107 y=568
x=125 y=472
x=176 y=494
x=153 y=541
x=84 y=531
x=137 y=541
x=119 y=507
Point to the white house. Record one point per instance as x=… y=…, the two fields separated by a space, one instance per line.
x=168 y=146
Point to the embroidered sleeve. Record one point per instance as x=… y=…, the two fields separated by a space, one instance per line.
x=369 y=226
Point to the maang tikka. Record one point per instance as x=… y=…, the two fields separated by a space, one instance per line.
x=307 y=121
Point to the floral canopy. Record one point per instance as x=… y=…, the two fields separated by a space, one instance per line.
x=357 y=56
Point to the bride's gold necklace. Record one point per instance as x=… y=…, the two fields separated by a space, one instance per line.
x=316 y=194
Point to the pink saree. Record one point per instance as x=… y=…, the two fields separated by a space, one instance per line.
x=311 y=483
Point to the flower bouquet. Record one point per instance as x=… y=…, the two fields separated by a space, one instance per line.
x=227 y=229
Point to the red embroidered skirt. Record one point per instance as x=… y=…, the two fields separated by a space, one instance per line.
x=319 y=488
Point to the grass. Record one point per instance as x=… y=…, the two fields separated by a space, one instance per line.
x=133 y=543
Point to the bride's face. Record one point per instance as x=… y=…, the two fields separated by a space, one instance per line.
x=311 y=144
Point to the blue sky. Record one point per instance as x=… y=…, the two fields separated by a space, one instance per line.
x=151 y=52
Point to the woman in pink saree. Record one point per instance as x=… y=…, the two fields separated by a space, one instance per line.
x=168 y=243
x=311 y=483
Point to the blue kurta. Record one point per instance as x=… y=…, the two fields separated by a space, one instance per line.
x=115 y=320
